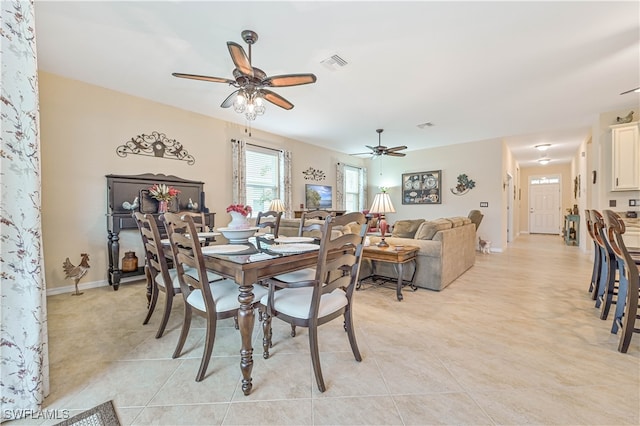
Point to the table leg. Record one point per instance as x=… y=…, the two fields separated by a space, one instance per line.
x=246 y=320
x=399 y=288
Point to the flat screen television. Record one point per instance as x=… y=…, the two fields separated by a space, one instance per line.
x=318 y=197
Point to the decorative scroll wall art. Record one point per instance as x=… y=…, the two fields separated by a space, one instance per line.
x=314 y=174
x=156 y=145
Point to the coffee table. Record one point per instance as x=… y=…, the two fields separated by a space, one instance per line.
x=398 y=256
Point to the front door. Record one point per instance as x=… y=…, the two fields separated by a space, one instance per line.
x=544 y=205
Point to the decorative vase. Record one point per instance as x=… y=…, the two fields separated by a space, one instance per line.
x=238 y=221
x=162 y=206
x=129 y=262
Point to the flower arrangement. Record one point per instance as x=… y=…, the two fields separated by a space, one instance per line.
x=239 y=208
x=163 y=192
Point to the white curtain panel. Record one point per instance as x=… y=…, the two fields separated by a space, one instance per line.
x=239 y=179
x=24 y=358
x=285 y=181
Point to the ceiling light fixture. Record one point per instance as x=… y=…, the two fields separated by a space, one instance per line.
x=250 y=102
x=543 y=146
x=544 y=161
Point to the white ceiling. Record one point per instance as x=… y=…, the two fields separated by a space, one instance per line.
x=527 y=72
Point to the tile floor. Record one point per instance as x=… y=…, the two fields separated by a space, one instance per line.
x=515 y=340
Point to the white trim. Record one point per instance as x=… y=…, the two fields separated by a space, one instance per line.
x=87 y=286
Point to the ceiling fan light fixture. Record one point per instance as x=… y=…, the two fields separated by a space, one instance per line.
x=543 y=147
x=251 y=104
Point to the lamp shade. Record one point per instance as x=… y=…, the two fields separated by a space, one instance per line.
x=382 y=204
x=277 y=205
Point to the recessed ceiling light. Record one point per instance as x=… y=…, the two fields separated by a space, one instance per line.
x=543 y=146
x=544 y=161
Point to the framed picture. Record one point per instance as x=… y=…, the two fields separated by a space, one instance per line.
x=422 y=187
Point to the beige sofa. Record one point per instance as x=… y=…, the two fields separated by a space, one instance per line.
x=447 y=250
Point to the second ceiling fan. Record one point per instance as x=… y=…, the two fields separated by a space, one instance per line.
x=383 y=150
x=252 y=82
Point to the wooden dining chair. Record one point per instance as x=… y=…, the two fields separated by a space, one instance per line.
x=309 y=222
x=198 y=220
x=159 y=277
x=211 y=300
x=309 y=227
x=329 y=295
x=269 y=219
x=626 y=313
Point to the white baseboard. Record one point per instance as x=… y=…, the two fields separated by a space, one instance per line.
x=87 y=286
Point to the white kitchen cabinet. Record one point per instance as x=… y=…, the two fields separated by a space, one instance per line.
x=625 y=153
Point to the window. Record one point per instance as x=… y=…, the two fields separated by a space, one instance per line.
x=263 y=177
x=352 y=184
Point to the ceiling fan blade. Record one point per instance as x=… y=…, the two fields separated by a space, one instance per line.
x=276 y=99
x=363 y=153
x=240 y=59
x=203 y=78
x=395 y=154
x=396 y=148
x=629 y=91
x=289 y=80
x=229 y=101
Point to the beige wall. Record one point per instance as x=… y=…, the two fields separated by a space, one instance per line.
x=81 y=127
x=480 y=161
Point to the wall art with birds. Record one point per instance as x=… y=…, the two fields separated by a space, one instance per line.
x=75 y=273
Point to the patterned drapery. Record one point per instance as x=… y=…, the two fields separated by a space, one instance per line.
x=24 y=375
x=239 y=178
x=285 y=181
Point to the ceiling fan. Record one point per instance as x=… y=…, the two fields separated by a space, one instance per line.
x=383 y=150
x=252 y=82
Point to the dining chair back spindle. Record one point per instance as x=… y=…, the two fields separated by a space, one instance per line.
x=329 y=295
x=213 y=300
x=626 y=313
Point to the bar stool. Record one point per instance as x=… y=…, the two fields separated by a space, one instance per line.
x=626 y=312
x=597 y=256
x=607 y=284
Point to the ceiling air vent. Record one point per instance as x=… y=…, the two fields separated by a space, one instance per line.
x=334 y=62
x=427 y=124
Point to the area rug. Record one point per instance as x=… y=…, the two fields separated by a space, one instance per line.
x=102 y=415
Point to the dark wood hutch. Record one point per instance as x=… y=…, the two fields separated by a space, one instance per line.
x=123 y=188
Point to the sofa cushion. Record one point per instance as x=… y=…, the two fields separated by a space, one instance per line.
x=406 y=228
x=458 y=221
x=429 y=228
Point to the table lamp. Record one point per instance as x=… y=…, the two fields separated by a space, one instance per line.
x=382 y=204
x=277 y=205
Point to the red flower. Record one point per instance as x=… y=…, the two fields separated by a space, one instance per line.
x=239 y=208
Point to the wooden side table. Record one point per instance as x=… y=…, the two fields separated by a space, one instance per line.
x=396 y=255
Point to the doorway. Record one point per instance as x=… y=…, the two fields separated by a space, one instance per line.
x=544 y=204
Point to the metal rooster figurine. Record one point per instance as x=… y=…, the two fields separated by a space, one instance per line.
x=76 y=272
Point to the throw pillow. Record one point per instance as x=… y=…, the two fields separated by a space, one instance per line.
x=429 y=228
x=458 y=220
x=406 y=228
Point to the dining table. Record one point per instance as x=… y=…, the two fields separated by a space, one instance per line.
x=264 y=257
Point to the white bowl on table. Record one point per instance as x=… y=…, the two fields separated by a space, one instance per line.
x=235 y=235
